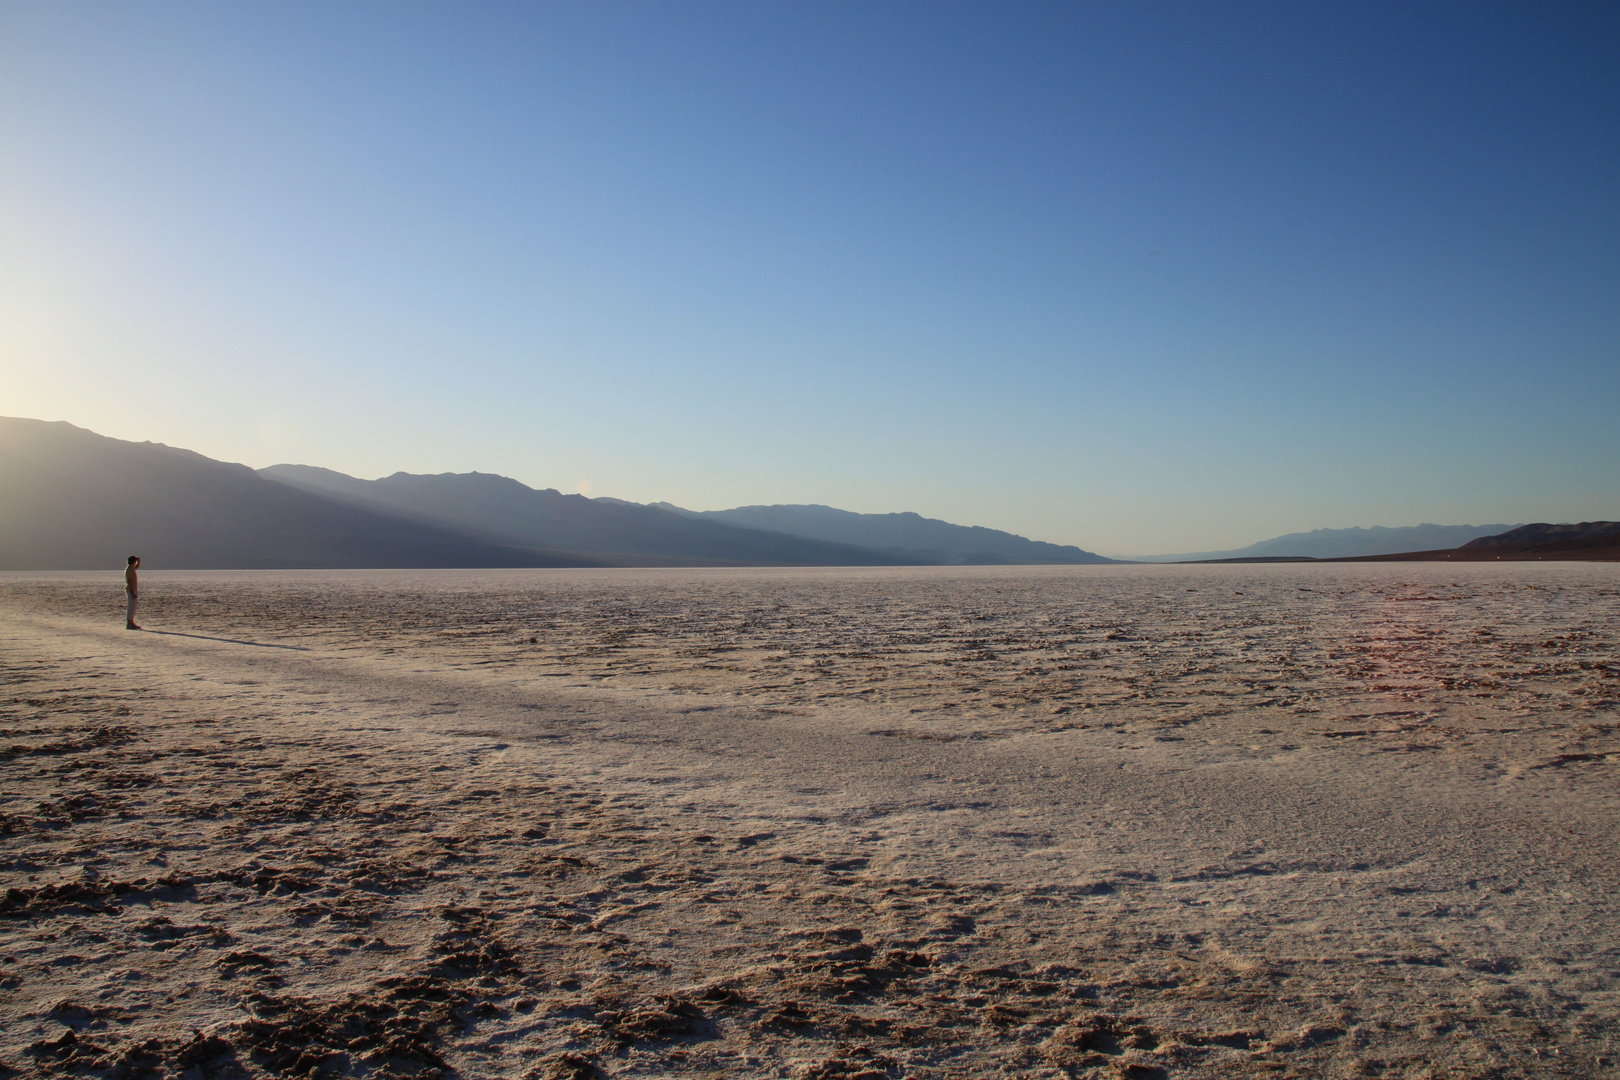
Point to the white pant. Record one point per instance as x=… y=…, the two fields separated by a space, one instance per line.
x=129 y=614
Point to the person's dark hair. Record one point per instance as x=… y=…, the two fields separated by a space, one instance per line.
x=132 y=560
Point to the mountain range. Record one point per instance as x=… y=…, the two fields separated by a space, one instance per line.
x=606 y=532
x=1585 y=541
x=911 y=535
x=73 y=499
x=1345 y=543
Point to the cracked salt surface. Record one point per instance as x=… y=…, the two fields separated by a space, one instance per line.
x=1054 y=821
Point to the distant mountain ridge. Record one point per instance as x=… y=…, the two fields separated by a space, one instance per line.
x=1585 y=541
x=75 y=500
x=1347 y=543
x=72 y=499
x=1543 y=533
x=906 y=535
x=501 y=510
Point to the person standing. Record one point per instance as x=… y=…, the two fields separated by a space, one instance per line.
x=132 y=590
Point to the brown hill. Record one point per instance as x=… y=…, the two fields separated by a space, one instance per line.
x=1586 y=541
x=1543 y=533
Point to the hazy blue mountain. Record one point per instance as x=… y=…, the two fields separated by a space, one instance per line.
x=74 y=500
x=1347 y=543
x=502 y=510
x=905 y=534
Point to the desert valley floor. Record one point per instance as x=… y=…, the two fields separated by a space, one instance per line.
x=1183 y=821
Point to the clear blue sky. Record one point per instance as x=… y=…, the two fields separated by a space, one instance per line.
x=1140 y=277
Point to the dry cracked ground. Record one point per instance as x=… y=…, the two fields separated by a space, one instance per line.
x=1013 y=823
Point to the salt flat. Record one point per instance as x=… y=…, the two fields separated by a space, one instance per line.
x=1023 y=821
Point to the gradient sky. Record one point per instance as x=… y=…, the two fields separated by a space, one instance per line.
x=1140 y=277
